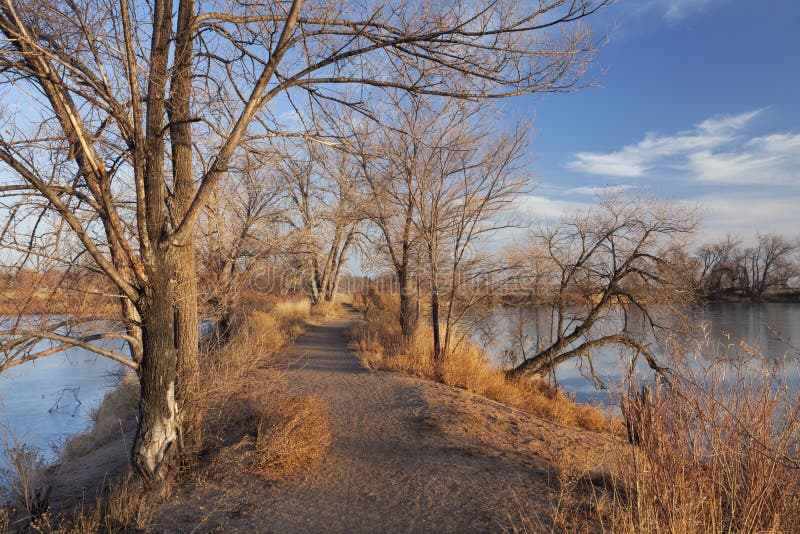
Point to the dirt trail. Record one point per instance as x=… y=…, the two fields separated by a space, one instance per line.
x=407 y=455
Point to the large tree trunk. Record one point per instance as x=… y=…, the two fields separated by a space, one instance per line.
x=186 y=321
x=187 y=340
x=158 y=411
x=408 y=318
x=158 y=429
x=408 y=315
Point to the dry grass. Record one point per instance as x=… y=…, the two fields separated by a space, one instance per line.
x=292 y=433
x=266 y=433
x=718 y=452
x=262 y=333
x=292 y=316
x=248 y=423
x=326 y=309
x=26 y=490
x=126 y=507
x=380 y=345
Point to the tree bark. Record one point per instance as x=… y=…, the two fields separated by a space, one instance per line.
x=408 y=317
x=158 y=410
x=186 y=320
x=437 y=336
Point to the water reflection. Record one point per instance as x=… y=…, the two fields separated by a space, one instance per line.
x=44 y=401
x=768 y=328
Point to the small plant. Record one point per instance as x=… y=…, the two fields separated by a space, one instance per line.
x=293 y=432
x=24 y=479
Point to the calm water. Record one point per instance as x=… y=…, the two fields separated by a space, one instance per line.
x=43 y=402
x=728 y=324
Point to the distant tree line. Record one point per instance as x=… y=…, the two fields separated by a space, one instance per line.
x=769 y=268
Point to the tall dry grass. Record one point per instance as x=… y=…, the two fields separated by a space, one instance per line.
x=126 y=506
x=380 y=345
x=718 y=451
x=25 y=491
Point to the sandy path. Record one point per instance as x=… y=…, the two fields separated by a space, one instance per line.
x=407 y=456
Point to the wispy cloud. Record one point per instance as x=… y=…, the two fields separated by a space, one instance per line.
x=746 y=214
x=591 y=190
x=674 y=10
x=539 y=207
x=738 y=168
x=716 y=150
x=776 y=143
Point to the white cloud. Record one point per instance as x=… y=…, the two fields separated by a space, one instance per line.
x=726 y=124
x=620 y=164
x=591 y=190
x=746 y=215
x=716 y=150
x=738 y=168
x=741 y=213
x=776 y=143
x=539 y=207
x=637 y=159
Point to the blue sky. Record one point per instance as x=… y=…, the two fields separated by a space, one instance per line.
x=697 y=103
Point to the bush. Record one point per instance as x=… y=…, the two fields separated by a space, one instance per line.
x=267 y=433
x=293 y=432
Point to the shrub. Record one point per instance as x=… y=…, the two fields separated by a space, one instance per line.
x=294 y=431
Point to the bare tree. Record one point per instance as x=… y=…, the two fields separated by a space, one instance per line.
x=768 y=265
x=466 y=175
x=611 y=268
x=716 y=265
x=323 y=198
x=391 y=188
x=243 y=226
x=136 y=112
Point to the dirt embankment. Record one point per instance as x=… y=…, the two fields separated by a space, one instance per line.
x=406 y=455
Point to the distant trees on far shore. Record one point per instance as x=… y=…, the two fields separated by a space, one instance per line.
x=768 y=269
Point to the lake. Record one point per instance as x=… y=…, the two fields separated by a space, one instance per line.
x=728 y=324
x=45 y=401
